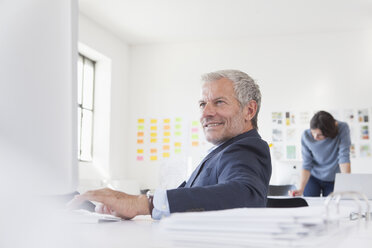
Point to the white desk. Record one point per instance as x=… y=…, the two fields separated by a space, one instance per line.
x=143 y=232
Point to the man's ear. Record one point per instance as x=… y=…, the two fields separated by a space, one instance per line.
x=250 y=110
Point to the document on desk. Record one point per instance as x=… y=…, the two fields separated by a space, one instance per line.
x=84 y=216
x=257 y=227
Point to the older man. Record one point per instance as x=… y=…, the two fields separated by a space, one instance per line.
x=234 y=174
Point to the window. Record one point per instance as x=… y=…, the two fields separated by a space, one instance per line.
x=86 y=71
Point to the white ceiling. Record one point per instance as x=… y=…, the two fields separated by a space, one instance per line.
x=157 y=21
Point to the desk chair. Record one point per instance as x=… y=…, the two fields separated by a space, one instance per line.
x=292 y=202
x=280 y=190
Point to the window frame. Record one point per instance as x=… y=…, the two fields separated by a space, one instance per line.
x=82 y=108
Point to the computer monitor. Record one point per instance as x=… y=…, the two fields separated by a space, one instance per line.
x=38 y=96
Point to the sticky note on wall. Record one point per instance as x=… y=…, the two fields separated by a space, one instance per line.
x=153 y=158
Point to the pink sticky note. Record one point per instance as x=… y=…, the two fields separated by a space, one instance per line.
x=139 y=158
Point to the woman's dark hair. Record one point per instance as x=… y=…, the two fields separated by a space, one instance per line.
x=326 y=123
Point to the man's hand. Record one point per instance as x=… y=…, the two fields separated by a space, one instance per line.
x=114 y=202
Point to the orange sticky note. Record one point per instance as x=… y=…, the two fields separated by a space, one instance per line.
x=166 y=147
x=140 y=141
x=139 y=151
x=153 y=150
x=140 y=134
x=167 y=127
x=195 y=143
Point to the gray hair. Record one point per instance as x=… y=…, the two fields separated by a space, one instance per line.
x=246 y=89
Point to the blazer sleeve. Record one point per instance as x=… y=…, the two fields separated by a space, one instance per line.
x=243 y=174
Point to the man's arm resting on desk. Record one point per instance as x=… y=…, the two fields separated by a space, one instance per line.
x=116 y=203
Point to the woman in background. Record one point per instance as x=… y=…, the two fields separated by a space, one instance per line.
x=325 y=152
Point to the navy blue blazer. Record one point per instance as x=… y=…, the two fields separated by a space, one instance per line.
x=234 y=175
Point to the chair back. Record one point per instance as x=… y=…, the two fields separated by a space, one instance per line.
x=280 y=190
x=292 y=202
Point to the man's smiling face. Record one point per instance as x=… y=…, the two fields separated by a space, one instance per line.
x=222 y=117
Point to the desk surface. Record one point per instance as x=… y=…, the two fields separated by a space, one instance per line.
x=142 y=231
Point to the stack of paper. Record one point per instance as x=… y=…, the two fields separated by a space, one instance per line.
x=249 y=227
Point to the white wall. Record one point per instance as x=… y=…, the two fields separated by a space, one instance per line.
x=295 y=72
x=111 y=101
x=37 y=79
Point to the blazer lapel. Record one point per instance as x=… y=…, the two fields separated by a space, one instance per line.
x=197 y=171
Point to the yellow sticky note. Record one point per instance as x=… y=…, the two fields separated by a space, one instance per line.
x=166 y=154
x=154 y=128
x=153 y=134
x=153 y=158
x=141 y=120
x=166 y=133
x=166 y=120
x=153 y=140
x=177 y=144
x=166 y=140
x=153 y=121
x=139 y=151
